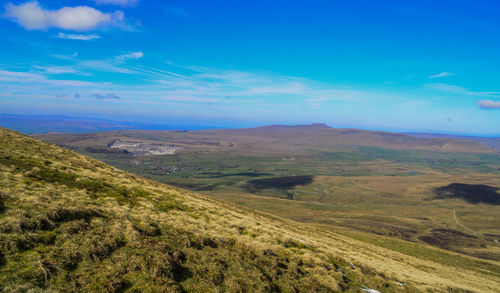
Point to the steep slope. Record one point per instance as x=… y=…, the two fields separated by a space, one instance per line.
x=70 y=223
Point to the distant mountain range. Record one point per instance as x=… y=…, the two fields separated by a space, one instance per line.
x=292 y=139
x=322 y=135
x=492 y=142
x=38 y=124
x=41 y=124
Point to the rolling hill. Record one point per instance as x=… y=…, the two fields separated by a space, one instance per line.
x=71 y=223
x=271 y=139
x=322 y=134
x=492 y=142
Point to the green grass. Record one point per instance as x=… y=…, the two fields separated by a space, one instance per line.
x=423 y=252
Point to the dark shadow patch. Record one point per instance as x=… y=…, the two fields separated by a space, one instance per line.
x=246 y=174
x=2 y=259
x=456 y=241
x=3 y=199
x=472 y=193
x=492 y=237
x=60 y=215
x=484 y=255
x=102 y=150
x=285 y=182
x=179 y=271
x=120 y=286
x=194 y=186
x=449 y=239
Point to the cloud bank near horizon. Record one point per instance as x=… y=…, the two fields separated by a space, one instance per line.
x=488 y=104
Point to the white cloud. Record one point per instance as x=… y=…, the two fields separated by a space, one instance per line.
x=56 y=69
x=78 y=37
x=122 y=3
x=488 y=104
x=442 y=74
x=26 y=79
x=109 y=96
x=116 y=64
x=191 y=99
x=66 y=57
x=17 y=76
x=454 y=89
x=104 y=66
x=32 y=16
x=133 y=55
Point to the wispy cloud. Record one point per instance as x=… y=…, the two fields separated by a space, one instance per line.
x=32 y=16
x=449 y=88
x=442 y=74
x=65 y=57
x=191 y=99
x=133 y=55
x=80 y=37
x=109 y=96
x=116 y=64
x=56 y=69
x=17 y=76
x=75 y=96
x=214 y=93
x=488 y=104
x=104 y=66
x=31 y=79
x=122 y=3
x=96 y=96
x=204 y=86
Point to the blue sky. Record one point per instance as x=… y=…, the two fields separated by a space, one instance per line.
x=386 y=65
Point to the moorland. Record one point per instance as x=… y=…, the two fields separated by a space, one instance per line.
x=69 y=223
x=393 y=190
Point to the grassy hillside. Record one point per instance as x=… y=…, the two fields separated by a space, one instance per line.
x=70 y=223
x=417 y=190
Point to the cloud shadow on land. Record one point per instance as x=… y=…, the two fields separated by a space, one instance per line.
x=285 y=182
x=472 y=193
